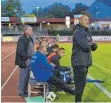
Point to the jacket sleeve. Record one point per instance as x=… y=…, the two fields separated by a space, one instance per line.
x=21 y=48
x=82 y=40
x=55 y=61
x=46 y=64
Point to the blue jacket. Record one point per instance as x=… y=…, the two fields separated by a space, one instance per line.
x=41 y=69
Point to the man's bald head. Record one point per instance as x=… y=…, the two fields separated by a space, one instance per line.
x=42 y=49
x=84 y=21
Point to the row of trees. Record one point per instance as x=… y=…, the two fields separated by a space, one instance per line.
x=56 y=10
x=11 y=8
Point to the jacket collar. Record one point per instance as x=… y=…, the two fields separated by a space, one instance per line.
x=79 y=26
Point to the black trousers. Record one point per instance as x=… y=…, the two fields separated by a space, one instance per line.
x=80 y=73
x=57 y=73
x=60 y=84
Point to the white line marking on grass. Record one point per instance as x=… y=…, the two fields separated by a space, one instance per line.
x=9 y=78
x=107 y=93
x=7 y=55
x=102 y=67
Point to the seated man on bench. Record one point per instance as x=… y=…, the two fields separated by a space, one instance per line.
x=62 y=71
x=43 y=71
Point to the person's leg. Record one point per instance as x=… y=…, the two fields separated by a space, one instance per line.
x=80 y=74
x=23 y=79
x=57 y=73
x=27 y=75
x=60 y=84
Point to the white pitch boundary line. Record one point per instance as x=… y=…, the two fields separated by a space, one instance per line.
x=102 y=67
x=107 y=93
x=7 y=56
x=8 y=78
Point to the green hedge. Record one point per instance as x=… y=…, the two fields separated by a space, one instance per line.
x=70 y=33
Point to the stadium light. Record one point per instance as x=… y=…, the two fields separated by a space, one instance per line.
x=15 y=10
x=37 y=8
x=48 y=24
x=92 y=24
x=68 y=21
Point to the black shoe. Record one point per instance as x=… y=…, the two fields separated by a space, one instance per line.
x=23 y=95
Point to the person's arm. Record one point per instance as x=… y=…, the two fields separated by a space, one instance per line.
x=21 y=48
x=82 y=40
x=56 y=62
x=94 y=46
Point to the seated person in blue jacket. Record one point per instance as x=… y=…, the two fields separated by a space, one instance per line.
x=43 y=71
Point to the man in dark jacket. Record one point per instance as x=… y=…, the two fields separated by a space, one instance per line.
x=81 y=55
x=24 y=52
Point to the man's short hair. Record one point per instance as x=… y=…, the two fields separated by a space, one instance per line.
x=55 y=46
x=27 y=27
x=40 y=47
x=61 y=49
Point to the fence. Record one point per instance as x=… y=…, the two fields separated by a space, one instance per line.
x=54 y=38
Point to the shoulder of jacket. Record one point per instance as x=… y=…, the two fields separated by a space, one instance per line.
x=21 y=37
x=55 y=57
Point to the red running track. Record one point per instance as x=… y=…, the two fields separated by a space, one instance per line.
x=9 y=74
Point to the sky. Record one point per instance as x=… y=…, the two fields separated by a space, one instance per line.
x=29 y=5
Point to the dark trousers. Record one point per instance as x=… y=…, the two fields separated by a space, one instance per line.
x=60 y=84
x=24 y=76
x=80 y=73
x=57 y=73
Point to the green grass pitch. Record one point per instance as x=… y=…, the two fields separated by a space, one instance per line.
x=101 y=69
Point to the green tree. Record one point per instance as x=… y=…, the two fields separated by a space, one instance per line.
x=12 y=8
x=79 y=8
x=29 y=15
x=58 y=10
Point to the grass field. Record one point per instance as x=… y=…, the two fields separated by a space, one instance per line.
x=101 y=69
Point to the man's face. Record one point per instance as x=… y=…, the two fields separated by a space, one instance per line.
x=84 y=21
x=28 y=31
x=61 y=53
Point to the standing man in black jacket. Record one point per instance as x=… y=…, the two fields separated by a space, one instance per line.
x=24 y=52
x=81 y=55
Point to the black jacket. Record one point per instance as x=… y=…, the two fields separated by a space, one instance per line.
x=56 y=60
x=49 y=50
x=21 y=51
x=82 y=43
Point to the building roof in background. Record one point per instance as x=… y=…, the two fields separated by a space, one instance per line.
x=106 y=2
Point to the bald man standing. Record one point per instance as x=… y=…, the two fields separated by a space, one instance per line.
x=81 y=55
